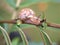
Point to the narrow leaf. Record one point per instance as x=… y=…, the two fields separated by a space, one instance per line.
x=25 y=41
x=2 y=26
x=15 y=41
x=47 y=38
x=6 y=36
x=6 y=26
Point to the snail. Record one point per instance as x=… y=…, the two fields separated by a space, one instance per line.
x=28 y=16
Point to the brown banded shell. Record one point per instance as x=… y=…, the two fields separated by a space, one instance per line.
x=28 y=16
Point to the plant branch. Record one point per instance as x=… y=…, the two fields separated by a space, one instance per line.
x=8 y=21
x=48 y=23
x=53 y=25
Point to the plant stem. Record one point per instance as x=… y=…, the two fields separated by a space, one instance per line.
x=6 y=36
x=53 y=25
x=25 y=41
x=18 y=3
x=15 y=11
x=48 y=23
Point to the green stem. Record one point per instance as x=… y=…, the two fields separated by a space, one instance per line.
x=17 y=7
x=6 y=36
x=25 y=41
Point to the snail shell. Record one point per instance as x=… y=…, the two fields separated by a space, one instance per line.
x=25 y=13
x=28 y=16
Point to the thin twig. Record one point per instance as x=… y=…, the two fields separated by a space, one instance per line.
x=48 y=23
x=8 y=21
x=53 y=25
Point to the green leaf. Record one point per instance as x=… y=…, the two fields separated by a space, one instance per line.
x=46 y=38
x=6 y=36
x=22 y=26
x=25 y=41
x=6 y=26
x=2 y=26
x=26 y=25
x=28 y=3
x=25 y=3
x=15 y=41
x=11 y=3
x=44 y=25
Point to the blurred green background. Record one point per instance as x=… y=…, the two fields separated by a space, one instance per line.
x=52 y=15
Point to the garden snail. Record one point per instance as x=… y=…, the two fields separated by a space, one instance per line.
x=28 y=16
